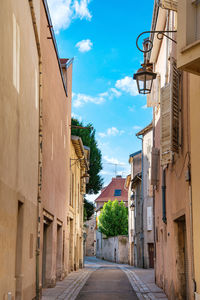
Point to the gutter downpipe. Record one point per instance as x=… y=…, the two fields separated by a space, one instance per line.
x=167 y=46
x=164 y=196
x=39 y=150
x=142 y=198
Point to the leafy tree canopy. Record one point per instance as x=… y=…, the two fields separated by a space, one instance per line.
x=113 y=219
x=88 y=138
x=88 y=209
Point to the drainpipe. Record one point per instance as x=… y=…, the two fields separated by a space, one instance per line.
x=167 y=46
x=142 y=200
x=39 y=150
x=164 y=196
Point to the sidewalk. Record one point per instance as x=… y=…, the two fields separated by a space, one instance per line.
x=141 y=280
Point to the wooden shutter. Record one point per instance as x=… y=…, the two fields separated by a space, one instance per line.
x=154 y=97
x=155 y=166
x=175 y=81
x=169 y=4
x=170 y=116
x=165 y=139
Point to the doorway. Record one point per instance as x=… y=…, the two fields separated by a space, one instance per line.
x=47 y=250
x=71 y=246
x=182 y=261
x=151 y=255
x=59 y=253
x=19 y=248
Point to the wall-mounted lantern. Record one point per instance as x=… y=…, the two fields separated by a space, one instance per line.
x=145 y=75
x=132 y=205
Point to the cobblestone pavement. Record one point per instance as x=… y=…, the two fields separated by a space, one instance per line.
x=84 y=284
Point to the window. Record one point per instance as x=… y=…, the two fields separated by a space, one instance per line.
x=117 y=192
x=169 y=4
x=16 y=54
x=188 y=36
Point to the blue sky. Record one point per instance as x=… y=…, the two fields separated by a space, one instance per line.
x=101 y=35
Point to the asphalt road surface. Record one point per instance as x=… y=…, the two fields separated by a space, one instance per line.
x=107 y=283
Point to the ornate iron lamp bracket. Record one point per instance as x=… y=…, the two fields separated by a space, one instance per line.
x=160 y=35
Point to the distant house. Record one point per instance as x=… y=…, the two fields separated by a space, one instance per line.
x=114 y=191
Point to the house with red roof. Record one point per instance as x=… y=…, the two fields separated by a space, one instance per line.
x=115 y=190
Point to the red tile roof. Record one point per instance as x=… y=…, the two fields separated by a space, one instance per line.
x=64 y=60
x=107 y=193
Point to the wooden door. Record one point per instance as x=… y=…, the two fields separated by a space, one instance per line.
x=151 y=255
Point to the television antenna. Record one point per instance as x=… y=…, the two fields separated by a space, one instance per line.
x=115 y=166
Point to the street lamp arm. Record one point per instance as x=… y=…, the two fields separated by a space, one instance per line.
x=160 y=34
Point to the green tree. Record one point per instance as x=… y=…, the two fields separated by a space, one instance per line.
x=113 y=219
x=88 y=209
x=88 y=137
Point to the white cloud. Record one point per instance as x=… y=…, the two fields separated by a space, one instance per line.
x=113 y=131
x=81 y=99
x=81 y=9
x=84 y=45
x=137 y=127
x=61 y=13
x=112 y=160
x=128 y=85
x=92 y=197
x=64 y=11
x=75 y=116
x=115 y=92
x=111 y=93
x=144 y=106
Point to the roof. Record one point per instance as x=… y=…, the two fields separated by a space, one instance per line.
x=63 y=60
x=66 y=62
x=50 y=25
x=117 y=183
x=79 y=149
x=135 y=153
x=128 y=180
x=145 y=130
x=136 y=178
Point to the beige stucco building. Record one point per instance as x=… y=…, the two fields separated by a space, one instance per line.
x=35 y=152
x=135 y=211
x=171 y=160
x=19 y=141
x=188 y=59
x=79 y=166
x=146 y=135
x=55 y=192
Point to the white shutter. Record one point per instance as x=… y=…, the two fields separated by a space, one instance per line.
x=169 y=4
x=149 y=218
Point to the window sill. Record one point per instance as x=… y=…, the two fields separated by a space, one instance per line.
x=190 y=46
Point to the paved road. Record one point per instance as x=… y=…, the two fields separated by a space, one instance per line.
x=102 y=280
x=107 y=283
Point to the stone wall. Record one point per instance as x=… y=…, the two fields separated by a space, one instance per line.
x=115 y=249
x=91 y=236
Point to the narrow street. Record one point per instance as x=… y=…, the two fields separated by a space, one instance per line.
x=102 y=280
x=107 y=283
